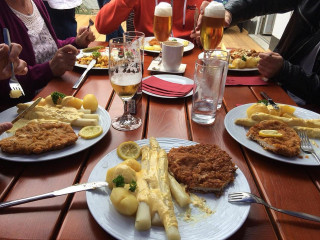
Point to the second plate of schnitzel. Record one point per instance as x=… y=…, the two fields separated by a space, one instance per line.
x=239 y=134
x=80 y=145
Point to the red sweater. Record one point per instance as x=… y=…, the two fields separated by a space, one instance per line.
x=116 y=11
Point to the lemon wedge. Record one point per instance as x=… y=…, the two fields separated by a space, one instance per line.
x=128 y=150
x=90 y=132
x=269 y=133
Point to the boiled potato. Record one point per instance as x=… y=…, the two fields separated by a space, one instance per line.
x=133 y=163
x=124 y=201
x=238 y=63
x=109 y=178
x=252 y=62
x=90 y=102
x=126 y=172
x=70 y=101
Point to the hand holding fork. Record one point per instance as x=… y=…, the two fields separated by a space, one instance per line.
x=13 y=82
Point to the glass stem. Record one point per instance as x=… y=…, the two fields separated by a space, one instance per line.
x=126 y=109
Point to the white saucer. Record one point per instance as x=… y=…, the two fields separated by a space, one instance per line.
x=155 y=67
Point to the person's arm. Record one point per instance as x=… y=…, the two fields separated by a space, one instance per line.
x=110 y=17
x=293 y=78
x=242 y=10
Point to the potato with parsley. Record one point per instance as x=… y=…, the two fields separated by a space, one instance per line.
x=127 y=169
x=124 y=201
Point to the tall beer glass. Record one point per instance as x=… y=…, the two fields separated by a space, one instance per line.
x=125 y=76
x=162 y=21
x=212 y=25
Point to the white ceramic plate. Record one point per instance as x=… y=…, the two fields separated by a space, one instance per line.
x=234 y=69
x=226 y=220
x=173 y=79
x=186 y=48
x=155 y=67
x=80 y=145
x=82 y=54
x=239 y=134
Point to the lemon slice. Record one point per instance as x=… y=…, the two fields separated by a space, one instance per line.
x=90 y=132
x=270 y=133
x=128 y=150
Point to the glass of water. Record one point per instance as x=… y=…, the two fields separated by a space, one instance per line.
x=208 y=77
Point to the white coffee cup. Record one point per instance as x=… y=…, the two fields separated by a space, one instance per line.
x=172 y=53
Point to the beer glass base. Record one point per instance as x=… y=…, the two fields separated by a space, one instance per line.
x=126 y=123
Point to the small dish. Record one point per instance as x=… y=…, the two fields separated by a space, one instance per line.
x=155 y=67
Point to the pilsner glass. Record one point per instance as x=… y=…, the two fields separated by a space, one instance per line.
x=162 y=21
x=211 y=31
x=125 y=76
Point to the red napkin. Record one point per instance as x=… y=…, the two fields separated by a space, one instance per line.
x=245 y=80
x=161 y=87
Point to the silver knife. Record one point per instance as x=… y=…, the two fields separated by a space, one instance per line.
x=274 y=105
x=71 y=189
x=24 y=112
x=91 y=64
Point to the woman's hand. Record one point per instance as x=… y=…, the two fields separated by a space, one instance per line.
x=20 y=66
x=84 y=37
x=5 y=126
x=270 y=64
x=63 y=60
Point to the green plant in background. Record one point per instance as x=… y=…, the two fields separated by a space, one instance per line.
x=82 y=9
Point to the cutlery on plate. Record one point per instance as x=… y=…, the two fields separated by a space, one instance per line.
x=250 y=198
x=13 y=82
x=306 y=145
x=71 y=189
x=24 y=112
x=274 y=105
x=91 y=65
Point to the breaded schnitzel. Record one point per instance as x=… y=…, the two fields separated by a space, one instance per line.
x=202 y=167
x=39 y=138
x=287 y=145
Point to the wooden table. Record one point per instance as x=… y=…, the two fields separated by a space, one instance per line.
x=67 y=217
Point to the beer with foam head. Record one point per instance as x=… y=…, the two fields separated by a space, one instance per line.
x=162 y=22
x=212 y=25
x=126 y=86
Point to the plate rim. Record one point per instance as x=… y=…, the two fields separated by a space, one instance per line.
x=181 y=142
x=154 y=51
x=166 y=75
x=48 y=156
x=228 y=121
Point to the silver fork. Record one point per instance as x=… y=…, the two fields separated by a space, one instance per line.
x=250 y=198
x=90 y=23
x=13 y=82
x=306 y=145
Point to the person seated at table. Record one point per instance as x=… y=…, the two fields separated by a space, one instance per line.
x=46 y=56
x=10 y=55
x=113 y=13
x=295 y=61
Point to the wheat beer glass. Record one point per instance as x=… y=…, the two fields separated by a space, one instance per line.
x=125 y=76
x=162 y=21
x=211 y=31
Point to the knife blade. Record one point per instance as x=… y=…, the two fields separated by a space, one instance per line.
x=91 y=64
x=67 y=190
x=24 y=112
x=274 y=105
